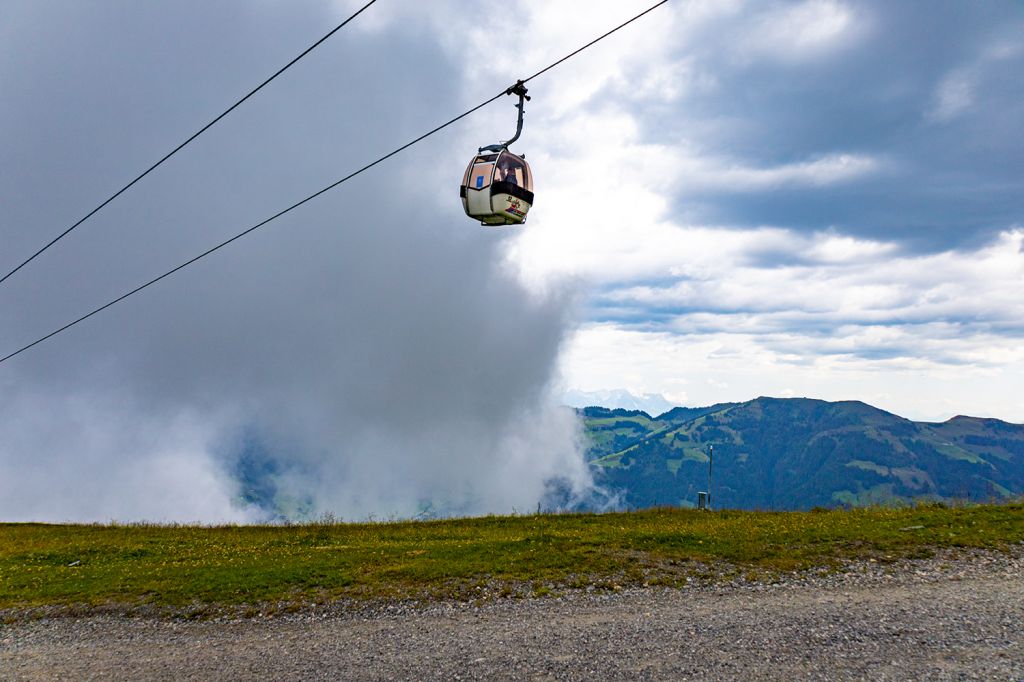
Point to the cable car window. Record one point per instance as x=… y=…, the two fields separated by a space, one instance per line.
x=528 y=179
x=511 y=170
x=480 y=175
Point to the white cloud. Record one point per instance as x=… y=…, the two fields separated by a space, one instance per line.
x=949 y=320
x=730 y=366
x=871 y=283
x=801 y=31
x=603 y=209
x=703 y=172
x=94 y=460
x=832 y=247
x=953 y=96
x=956 y=92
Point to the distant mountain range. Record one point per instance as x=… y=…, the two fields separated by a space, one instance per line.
x=798 y=453
x=618 y=398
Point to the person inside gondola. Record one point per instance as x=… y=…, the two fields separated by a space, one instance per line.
x=510 y=173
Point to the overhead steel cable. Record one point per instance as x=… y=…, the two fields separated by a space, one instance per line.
x=183 y=144
x=250 y=229
x=318 y=193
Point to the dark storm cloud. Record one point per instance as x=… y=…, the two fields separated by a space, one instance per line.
x=371 y=350
x=932 y=91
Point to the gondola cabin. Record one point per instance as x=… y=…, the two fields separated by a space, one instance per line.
x=497 y=188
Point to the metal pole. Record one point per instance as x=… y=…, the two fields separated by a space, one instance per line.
x=711 y=457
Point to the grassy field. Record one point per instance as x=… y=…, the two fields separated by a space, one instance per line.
x=290 y=566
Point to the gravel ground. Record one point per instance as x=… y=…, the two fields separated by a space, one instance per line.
x=955 y=617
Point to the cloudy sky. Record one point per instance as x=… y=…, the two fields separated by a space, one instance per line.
x=734 y=199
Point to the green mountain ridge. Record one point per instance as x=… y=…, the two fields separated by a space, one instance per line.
x=799 y=453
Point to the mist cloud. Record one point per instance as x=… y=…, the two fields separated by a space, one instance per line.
x=374 y=353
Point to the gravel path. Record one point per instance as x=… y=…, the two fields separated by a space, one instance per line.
x=944 y=618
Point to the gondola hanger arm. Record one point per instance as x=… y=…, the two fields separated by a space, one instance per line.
x=518 y=89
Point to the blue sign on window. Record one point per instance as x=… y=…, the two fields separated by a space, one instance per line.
x=479 y=181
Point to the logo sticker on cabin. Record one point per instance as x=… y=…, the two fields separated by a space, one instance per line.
x=513 y=207
x=479 y=181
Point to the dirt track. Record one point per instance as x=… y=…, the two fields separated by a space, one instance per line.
x=944 y=618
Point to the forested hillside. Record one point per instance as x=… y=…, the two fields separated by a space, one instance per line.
x=798 y=453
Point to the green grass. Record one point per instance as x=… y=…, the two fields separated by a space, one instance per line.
x=868 y=466
x=956 y=452
x=609 y=421
x=185 y=566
